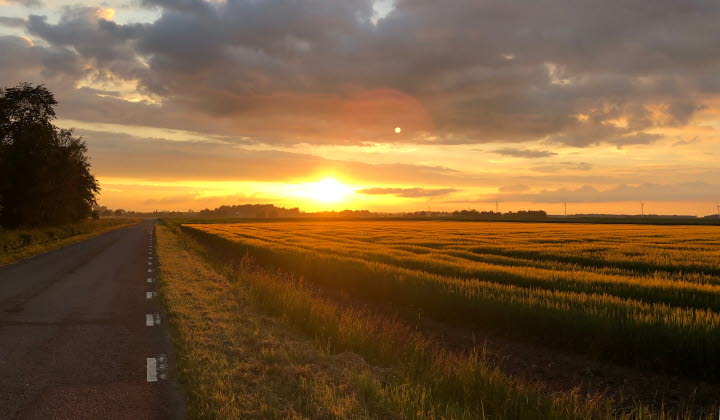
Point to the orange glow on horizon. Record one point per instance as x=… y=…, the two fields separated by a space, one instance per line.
x=328 y=190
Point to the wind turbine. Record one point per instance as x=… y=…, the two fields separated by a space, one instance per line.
x=642 y=209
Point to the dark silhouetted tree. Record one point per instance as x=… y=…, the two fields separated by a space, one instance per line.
x=45 y=177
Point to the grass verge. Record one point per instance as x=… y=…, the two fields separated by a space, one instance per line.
x=18 y=244
x=236 y=362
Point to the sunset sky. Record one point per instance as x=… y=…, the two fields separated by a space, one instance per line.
x=387 y=105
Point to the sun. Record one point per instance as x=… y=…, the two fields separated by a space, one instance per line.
x=329 y=190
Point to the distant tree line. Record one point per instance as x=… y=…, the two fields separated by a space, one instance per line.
x=347 y=213
x=265 y=211
x=104 y=211
x=45 y=177
x=251 y=210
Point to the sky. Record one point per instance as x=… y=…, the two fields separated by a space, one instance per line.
x=385 y=105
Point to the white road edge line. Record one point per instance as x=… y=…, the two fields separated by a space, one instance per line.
x=157 y=368
x=152 y=320
x=152 y=373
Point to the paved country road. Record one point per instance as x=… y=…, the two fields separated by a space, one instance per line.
x=81 y=337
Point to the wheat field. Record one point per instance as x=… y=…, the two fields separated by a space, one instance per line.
x=645 y=296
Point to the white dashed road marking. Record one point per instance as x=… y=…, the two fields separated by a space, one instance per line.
x=149 y=280
x=156 y=368
x=149 y=270
x=151 y=369
x=152 y=320
x=150 y=295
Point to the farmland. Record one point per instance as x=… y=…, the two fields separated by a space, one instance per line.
x=428 y=297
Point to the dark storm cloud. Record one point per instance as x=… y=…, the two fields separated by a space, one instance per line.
x=407 y=192
x=577 y=73
x=524 y=153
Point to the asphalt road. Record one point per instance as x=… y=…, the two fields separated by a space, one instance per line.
x=74 y=336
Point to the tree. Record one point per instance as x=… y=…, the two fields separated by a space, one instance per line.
x=45 y=177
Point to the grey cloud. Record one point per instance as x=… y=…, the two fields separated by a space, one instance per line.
x=686 y=142
x=12 y=22
x=22 y=61
x=27 y=3
x=90 y=35
x=637 y=138
x=524 y=153
x=408 y=192
x=196 y=6
x=298 y=72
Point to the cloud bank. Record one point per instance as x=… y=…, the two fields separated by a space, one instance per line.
x=328 y=72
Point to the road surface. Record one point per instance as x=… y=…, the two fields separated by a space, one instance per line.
x=81 y=333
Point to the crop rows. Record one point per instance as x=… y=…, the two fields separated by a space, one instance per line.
x=642 y=295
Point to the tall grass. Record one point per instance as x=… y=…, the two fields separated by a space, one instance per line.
x=676 y=339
